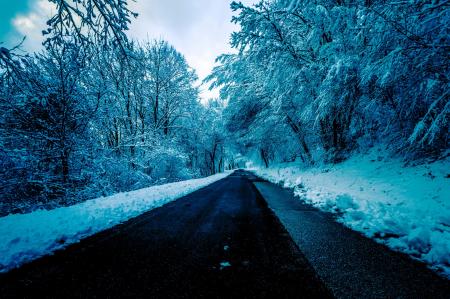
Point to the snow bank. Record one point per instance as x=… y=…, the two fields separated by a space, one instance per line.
x=24 y=237
x=406 y=208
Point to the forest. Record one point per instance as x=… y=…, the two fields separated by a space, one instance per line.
x=96 y=113
x=318 y=80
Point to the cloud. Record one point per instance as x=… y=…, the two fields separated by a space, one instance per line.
x=200 y=29
x=32 y=23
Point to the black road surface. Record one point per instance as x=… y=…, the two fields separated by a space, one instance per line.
x=219 y=242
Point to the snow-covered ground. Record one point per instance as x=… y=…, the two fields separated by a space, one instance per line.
x=24 y=237
x=406 y=208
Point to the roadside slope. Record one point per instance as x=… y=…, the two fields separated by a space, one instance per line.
x=351 y=265
x=404 y=207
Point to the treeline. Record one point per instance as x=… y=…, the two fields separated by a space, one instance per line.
x=317 y=80
x=94 y=113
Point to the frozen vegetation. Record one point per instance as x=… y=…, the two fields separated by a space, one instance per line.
x=95 y=113
x=24 y=237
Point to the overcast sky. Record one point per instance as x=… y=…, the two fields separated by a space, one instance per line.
x=199 y=29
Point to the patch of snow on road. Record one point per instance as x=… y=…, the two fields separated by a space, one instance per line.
x=406 y=208
x=24 y=237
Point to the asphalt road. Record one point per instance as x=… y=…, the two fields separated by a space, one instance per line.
x=219 y=242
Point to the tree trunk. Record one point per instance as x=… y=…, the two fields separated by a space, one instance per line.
x=301 y=137
x=264 y=157
x=65 y=166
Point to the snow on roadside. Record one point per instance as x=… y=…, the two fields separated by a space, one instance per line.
x=406 y=208
x=24 y=237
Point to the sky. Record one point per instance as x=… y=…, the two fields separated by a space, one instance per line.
x=199 y=29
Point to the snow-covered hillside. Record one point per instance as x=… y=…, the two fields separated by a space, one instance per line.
x=24 y=237
x=406 y=208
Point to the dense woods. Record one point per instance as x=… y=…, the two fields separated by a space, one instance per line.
x=318 y=80
x=95 y=113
